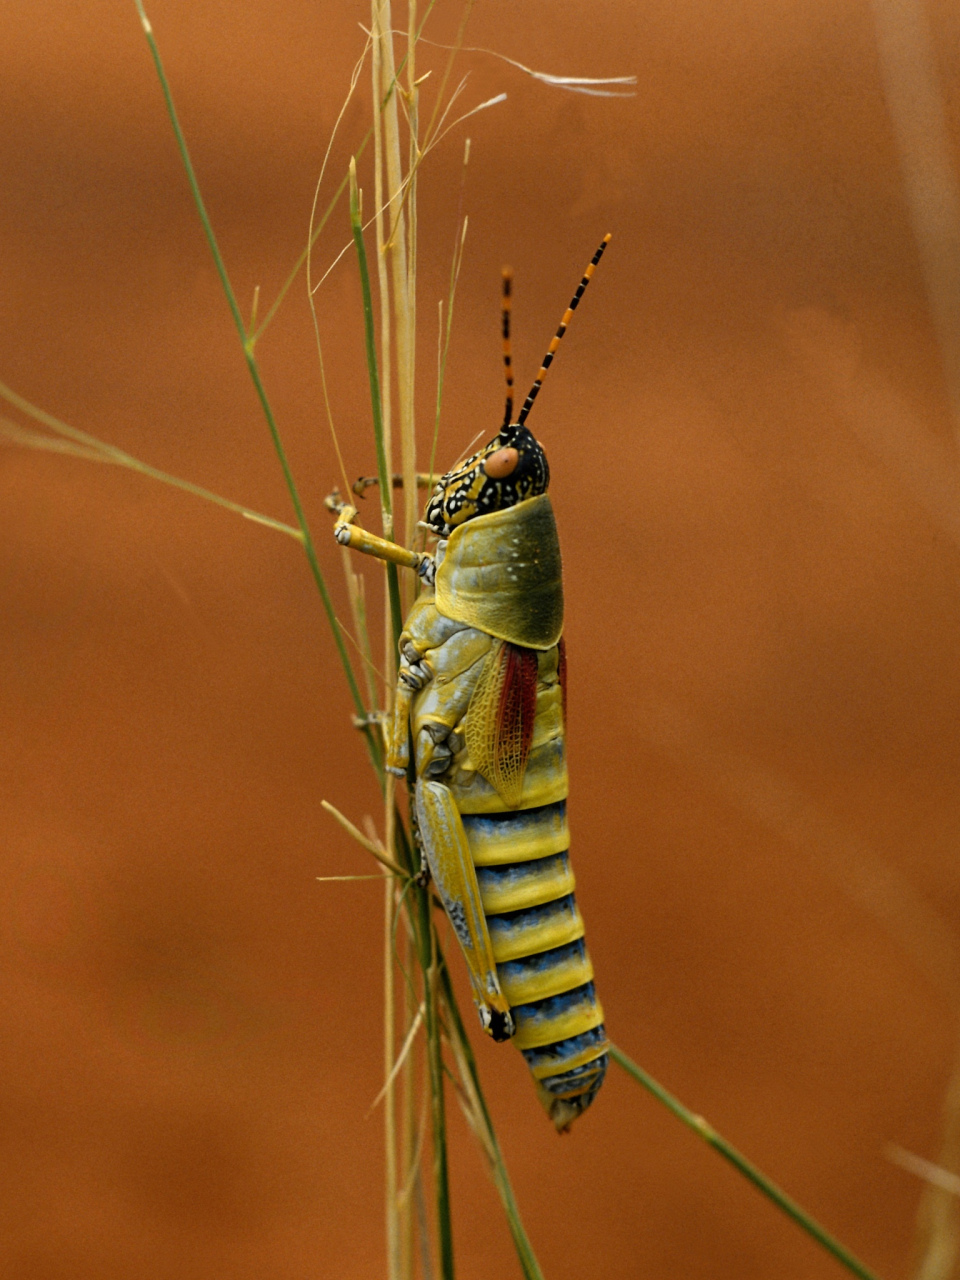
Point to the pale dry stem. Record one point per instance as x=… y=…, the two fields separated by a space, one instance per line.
x=372 y=847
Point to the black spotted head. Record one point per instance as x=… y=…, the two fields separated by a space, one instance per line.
x=512 y=466
x=508 y=469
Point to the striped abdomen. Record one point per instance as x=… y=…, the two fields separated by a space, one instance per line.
x=526 y=885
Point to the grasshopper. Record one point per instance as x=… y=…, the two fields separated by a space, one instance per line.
x=478 y=729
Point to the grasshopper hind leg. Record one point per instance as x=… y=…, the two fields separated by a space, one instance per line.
x=500 y=1026
x=444 y=842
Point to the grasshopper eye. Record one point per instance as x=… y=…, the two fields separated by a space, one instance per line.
x=501 y=464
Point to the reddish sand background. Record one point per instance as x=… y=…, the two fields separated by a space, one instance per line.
x=762 y=627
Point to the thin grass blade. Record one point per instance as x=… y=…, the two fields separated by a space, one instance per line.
x=364 y=841
x=94 y=450
x=744 y=1166
x=383 y=470
x=521 y=1241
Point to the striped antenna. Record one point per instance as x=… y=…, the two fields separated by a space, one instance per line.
x=507 y=354
x=555 y=342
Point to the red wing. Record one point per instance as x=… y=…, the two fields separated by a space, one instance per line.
x=499 y=724
x=518 y=703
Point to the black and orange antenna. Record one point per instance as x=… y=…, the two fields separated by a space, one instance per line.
x=555 y=341
x=507 y=354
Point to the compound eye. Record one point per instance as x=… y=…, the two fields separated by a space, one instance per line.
x=501 y=464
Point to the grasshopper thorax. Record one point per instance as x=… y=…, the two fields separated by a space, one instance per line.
x=509 y=468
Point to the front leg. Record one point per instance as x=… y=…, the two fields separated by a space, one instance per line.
x=412 y=676
x=352 y=535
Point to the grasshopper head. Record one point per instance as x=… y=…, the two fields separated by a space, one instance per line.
x=509 y=468
x=512 y=466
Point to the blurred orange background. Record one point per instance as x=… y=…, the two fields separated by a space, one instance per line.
x=753 y=470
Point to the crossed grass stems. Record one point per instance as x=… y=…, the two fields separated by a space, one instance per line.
x=419 y=994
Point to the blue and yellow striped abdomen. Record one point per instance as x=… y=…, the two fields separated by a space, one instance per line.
x=538 y=944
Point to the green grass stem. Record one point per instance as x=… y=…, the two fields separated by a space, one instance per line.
x=441 y=1173
x=457 y=1031
x=383 y=470
x=743 y=1166
x=430 y=958
x=372 y=743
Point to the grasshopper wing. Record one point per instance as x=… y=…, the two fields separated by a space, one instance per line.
x=448 y=856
